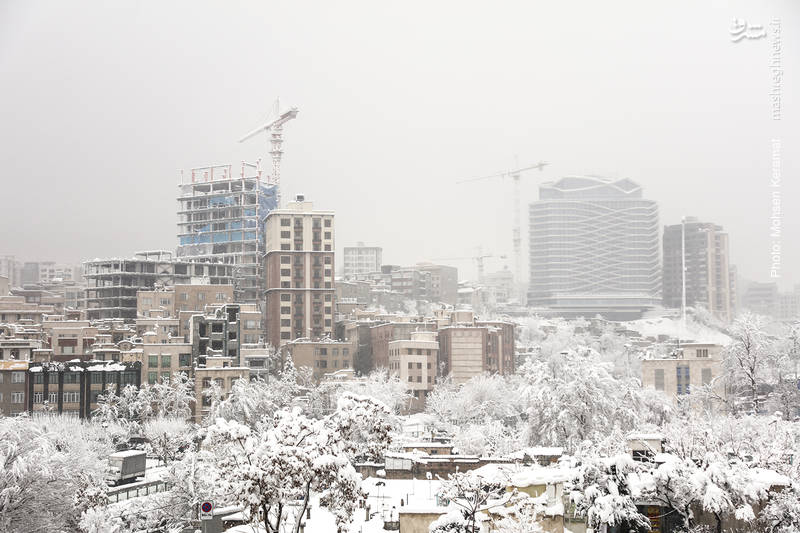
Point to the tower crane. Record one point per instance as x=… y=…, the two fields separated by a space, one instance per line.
x=275 y=126
x=477 y=258
x=516 y=235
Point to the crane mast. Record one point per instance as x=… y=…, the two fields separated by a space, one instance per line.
x=275 y=127
x=516 y=233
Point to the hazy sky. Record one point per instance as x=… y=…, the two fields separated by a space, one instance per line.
x=102 y=102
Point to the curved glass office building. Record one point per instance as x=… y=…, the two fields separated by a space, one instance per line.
x=594 y=248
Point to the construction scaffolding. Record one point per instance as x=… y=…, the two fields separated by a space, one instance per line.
x=112 y=284
x=221 y=218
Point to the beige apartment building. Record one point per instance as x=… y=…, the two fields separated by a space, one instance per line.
x=299 y=273
x=181 y=297
x=71 y=339
x=13 y=387
x=697 y=364
x=322 y=357
x=463 y=352
x=15 y=310
x=414 y=362
x=219 y=370
x=161 y=361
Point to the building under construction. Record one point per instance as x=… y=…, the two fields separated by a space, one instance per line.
x=221 y=218
x=112 y=284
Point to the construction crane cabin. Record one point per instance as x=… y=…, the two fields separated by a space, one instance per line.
x=275 y=126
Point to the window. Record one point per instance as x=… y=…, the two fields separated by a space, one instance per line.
x=419 y=379
x=702 y=352
x=286 y=260
x=658 y=378
x=71 y=397
x=165 y=377
x=327 y=223
x=97 y=377
x=38 y=397
x=67 y=350
x=410 y=378
x=201 y=296
x=71 y=377
x=184 y=296
x=286 y=234
x=52 y=378
x=166 y=361
x=327 y=234
x=52 y=397
x=152 y=361
x=419 y=365
x=221 y=297
x=165 y=301
x=152 y=377
x=18 y=377
x=410 y=365
x=286 y=297
x=682 y=375
x=184 y=359
x=706 y=376
x=17 y=397
x=284 y=246
x=286 y=222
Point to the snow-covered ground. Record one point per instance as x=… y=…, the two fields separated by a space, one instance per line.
x=653 y=327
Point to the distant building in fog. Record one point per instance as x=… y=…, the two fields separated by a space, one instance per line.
x=361 y=259
x=594 y=248
x=707 y=267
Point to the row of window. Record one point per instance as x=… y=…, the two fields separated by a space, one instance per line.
x=52 y=397
x=298 y=247
x=418 y=380
x=323 y=363
x=16 y=377
x=299 y=222
x=411 y=351
x=334 y=351
x=287 y=260
x=184 y=359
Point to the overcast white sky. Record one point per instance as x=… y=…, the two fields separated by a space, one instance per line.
x=102 y=102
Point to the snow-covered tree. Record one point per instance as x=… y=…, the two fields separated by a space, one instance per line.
x=576 y=400
x=250 y=401
x=274 y=467
x=48 y=478
x=749 y=359
x=781 y=514
x=168 y=438
x=471 y=493
x=521 y=514
x=602 y=495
